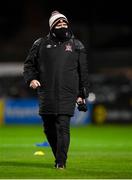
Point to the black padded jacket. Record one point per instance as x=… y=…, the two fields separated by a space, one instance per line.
x=62 y=70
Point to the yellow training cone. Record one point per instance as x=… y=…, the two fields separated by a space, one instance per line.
x=39 y=153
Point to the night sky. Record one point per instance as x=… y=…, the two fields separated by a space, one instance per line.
x=84 y=11
x=16 y=16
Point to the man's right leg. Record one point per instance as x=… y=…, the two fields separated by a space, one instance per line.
x=50 y=131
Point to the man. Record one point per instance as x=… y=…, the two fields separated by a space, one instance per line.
x=57 y=67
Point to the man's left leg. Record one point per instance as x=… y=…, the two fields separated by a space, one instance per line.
x=63 y=139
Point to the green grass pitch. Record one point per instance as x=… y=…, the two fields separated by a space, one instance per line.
x=96 y=152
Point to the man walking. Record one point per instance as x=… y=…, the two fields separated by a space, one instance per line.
x=57 y=67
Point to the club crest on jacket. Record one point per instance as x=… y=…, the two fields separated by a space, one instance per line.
x=68 y=47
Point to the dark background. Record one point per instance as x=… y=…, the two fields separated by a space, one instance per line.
x=103 y=26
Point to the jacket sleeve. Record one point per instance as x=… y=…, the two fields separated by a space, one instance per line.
x=82 y=70
x=30 y=71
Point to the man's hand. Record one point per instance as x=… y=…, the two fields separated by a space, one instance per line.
x=34 y=84
x=80 y=100
x=81 y=104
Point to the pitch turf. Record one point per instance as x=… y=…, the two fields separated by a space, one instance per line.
x=96 y=152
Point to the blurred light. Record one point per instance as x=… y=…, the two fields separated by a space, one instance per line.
x=91 y=97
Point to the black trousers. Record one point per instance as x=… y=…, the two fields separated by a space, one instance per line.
x=57 y=131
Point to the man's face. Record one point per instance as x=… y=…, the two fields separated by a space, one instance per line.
x=61 y=30
x=61 y=24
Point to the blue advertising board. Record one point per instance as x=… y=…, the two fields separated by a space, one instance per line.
x=21 y=111
x=25 y=111
x=80 y=117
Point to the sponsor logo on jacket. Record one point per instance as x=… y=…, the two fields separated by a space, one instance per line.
x=48 y=46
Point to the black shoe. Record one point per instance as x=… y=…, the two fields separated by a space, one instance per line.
x=60 y=166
